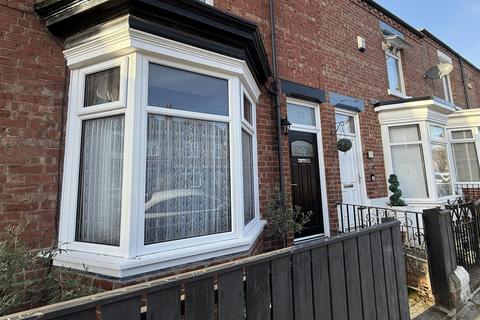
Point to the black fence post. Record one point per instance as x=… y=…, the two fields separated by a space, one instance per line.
x=441 y=253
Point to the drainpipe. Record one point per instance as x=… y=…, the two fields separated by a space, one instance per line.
x=465 y=88
x=276 y=97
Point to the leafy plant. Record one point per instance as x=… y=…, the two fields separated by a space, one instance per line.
x=283 y=218
x=397 y=193
x=21 y=278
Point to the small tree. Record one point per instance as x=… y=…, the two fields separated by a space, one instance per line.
x=397 y=193
x=283 y=218
x=19 y=285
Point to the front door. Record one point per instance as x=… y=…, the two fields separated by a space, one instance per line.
x=305 y=180
x=349 y=161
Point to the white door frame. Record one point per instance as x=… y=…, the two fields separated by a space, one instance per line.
x=359 y=156
x=317 y=129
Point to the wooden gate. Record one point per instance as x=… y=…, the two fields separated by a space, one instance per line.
x=359 y=275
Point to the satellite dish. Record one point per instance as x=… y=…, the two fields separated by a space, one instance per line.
x=439 y=71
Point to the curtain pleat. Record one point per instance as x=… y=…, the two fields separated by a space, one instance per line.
x=100 y=188
x=187 y=179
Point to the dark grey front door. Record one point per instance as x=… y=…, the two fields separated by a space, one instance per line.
x=305 y=179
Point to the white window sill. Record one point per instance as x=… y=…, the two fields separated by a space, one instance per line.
x=398 y=94
x=122 y=267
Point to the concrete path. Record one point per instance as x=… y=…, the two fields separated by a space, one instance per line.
x=471 y=311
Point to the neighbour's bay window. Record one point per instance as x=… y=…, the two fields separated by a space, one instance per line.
x=160 y=164
x=408 y=160
x=466 y=150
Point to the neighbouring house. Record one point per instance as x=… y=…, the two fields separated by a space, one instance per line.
x=146 y=137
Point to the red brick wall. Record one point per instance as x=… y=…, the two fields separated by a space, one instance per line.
x=32 y=83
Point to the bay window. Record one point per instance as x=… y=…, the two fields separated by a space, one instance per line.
x=160 y=162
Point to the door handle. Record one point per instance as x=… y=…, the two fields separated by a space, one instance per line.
x=350 y=185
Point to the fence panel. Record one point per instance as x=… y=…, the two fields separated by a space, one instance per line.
x=357 y=275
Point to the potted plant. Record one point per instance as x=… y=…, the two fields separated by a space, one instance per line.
x=283 y=218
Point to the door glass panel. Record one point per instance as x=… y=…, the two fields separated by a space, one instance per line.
x=302 y=149
x=301 y=115
x=344 y=123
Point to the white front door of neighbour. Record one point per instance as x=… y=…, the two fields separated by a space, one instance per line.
x=350 y=166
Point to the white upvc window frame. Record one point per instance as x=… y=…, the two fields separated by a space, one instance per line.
x=426 y=145
x=475 y=139
x=446 y=83
x=441 y=142
x=388 y=146
x=132 y=257
x=397 y=55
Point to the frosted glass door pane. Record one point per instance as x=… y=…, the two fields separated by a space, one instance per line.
x=301 y=115
x=408 y=165
x=187 y=179
x=100 y=187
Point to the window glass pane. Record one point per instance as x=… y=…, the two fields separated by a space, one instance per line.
x=466 y=162
x=404 y=134
x=393 y=72
x=100 y=186
x=463 y=134
x=344 y=123
x=409 y=166
x=187 y=179
x=102 y=87
x=437 y=133
x=247 y=162
x=300 y=114
x=441 y=170
x=247 y=110
x=183 y=90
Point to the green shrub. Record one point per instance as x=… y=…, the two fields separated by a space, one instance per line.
x=19 y=284
x=283 y=218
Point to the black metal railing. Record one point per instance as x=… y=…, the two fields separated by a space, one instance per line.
x=354 y=217
x=466 y=227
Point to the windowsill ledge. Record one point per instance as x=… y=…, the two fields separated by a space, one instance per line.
x=398 y=94
x=122 y=267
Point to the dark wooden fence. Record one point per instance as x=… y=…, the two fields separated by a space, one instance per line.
x=358 y=275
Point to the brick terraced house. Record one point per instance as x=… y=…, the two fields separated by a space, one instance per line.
x=146 y=136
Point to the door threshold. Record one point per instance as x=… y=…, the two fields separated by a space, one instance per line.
x=308 y=238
